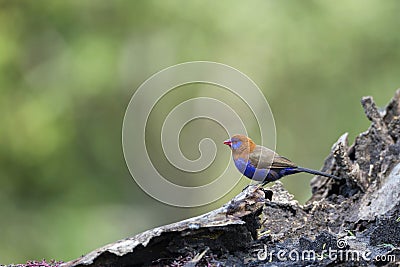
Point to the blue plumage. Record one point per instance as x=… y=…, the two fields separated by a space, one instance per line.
x=262 y=164
x=249 y=170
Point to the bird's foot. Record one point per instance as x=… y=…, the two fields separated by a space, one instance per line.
x=256 y=185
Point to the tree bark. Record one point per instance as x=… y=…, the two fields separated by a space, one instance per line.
x=350 y=222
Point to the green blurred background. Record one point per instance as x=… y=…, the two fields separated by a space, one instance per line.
x=69 y=68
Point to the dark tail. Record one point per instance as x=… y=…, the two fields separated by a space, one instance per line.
x=301 y=169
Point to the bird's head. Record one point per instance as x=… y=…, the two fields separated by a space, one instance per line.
x=240 y=143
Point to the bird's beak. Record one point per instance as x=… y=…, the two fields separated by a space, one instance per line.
x=228 y=142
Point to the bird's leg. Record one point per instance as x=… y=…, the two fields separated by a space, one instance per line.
x=258 y=186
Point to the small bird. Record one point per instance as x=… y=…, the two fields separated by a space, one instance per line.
x=262 y=164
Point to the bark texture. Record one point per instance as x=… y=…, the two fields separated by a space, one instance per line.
x=358 y=214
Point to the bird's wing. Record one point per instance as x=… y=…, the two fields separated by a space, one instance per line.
x=282 y=162
x=265 y=158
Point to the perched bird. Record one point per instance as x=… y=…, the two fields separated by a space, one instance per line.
x=262 y=164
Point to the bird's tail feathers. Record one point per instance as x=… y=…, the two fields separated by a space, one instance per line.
x=315 y=172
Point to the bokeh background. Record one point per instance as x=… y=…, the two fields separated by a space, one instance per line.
x=69 y=68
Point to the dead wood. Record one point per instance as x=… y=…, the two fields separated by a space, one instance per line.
x=360 y=213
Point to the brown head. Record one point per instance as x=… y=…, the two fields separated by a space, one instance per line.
x=240 y=144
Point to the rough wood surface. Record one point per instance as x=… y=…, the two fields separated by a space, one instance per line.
x=360 y=213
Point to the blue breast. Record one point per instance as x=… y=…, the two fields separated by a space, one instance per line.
x=250 y=171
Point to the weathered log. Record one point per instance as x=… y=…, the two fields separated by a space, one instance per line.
x=360 y=213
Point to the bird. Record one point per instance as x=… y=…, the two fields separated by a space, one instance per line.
x=263 y=164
